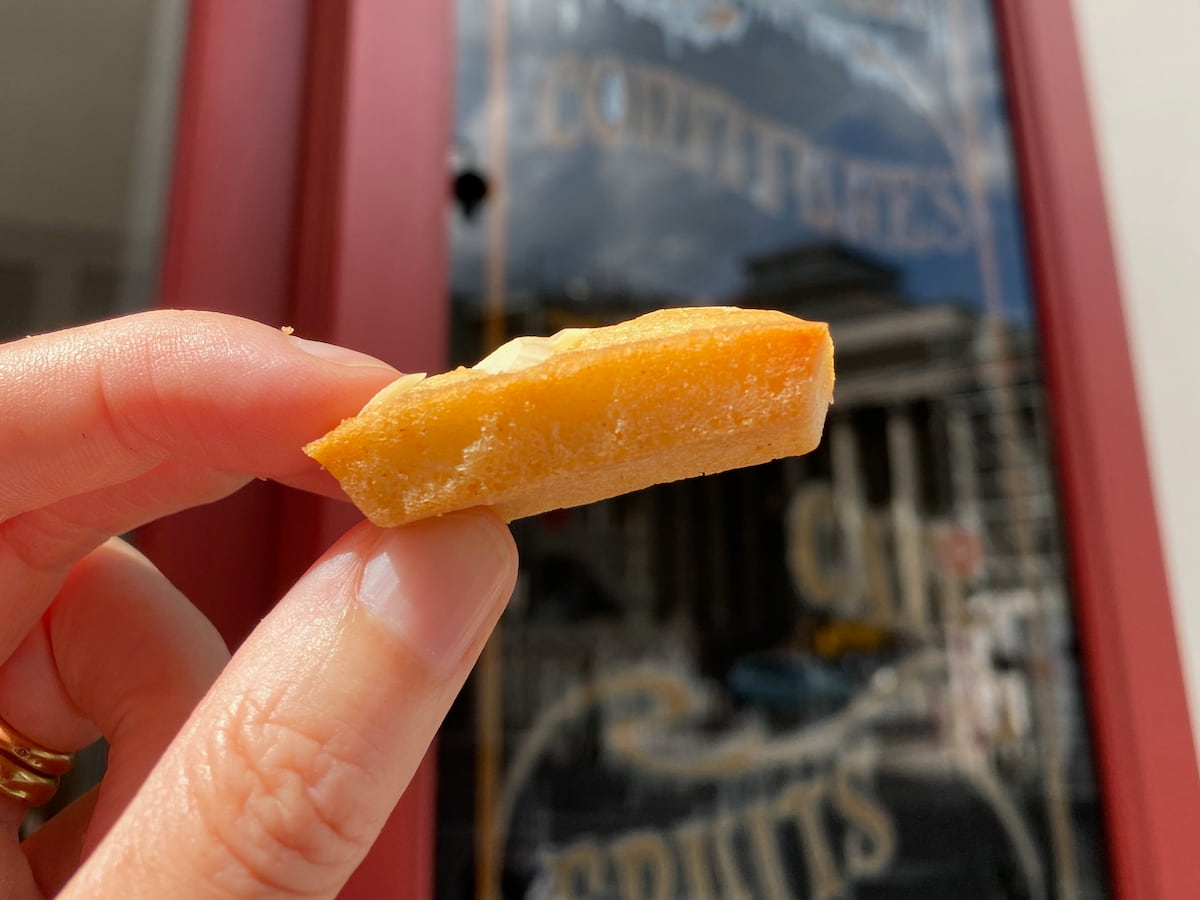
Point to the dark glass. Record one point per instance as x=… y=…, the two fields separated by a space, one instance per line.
x=851 y=674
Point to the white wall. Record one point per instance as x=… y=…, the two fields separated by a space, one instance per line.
x=73 y=78
x=87 y=100
x=1143 y=67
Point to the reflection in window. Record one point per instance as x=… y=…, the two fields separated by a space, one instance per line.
x=845 y=675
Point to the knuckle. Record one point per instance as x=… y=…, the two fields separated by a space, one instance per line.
x=282 y=801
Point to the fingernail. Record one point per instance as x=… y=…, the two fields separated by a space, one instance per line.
x=341 y=355
x=438 y=583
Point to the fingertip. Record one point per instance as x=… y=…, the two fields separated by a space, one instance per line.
x=437 y=584
x=240 y=394
x=343 y=356
x=313 y=731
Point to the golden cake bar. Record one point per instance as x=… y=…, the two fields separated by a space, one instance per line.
x=590 y=413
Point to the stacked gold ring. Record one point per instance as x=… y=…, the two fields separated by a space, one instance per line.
x=29 y=772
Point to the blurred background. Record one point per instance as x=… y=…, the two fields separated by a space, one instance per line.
x=914 y=487
x=88 y=97
x=87 y=104
x=1148 y=138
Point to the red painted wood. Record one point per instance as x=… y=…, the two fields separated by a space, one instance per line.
x=371 y=273
x=1144 y=740
x=310 y=189
x=400 y=865
x=228 y=247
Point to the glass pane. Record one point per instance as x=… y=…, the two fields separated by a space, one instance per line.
x=88 y=110
x=851 y=674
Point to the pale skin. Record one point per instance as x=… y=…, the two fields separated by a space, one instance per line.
x=265 y=775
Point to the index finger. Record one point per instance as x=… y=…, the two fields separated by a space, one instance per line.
x=109 y=426
x=96 y=406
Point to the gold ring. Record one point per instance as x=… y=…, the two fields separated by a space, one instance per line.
x=29 y=772
x=26 y=786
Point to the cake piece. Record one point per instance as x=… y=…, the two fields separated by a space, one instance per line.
x=547 y=423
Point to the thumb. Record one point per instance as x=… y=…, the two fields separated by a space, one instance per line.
x=287 y=770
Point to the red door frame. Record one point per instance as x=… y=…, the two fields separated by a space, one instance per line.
x=370 y=272
x=310 y=190
x=228 y=247
x=1145 y=749
x=295 y=119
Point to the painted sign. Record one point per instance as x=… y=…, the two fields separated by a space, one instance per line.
x=849 y=675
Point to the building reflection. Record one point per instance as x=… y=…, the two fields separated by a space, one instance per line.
x=876 y=588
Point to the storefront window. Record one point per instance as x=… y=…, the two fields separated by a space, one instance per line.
x=851 y=674
x=88 y=111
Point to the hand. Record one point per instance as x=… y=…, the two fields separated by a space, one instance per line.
x=268 y=775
